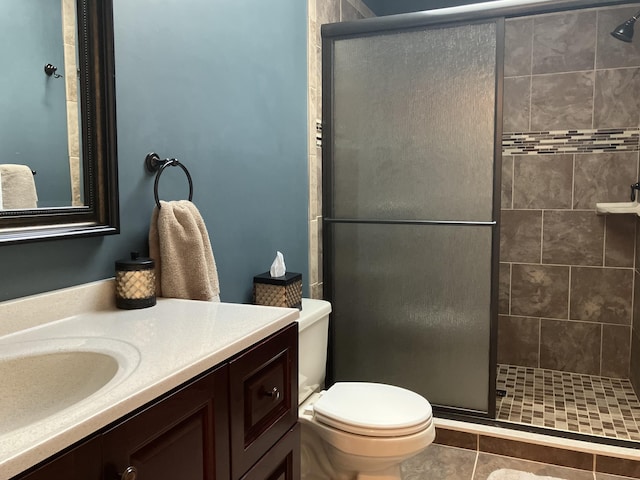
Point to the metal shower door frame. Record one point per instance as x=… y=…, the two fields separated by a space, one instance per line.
x=467 y=14
x=401 y=23
x=435 y=18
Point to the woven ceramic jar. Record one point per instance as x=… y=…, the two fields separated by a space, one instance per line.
x=135 y=282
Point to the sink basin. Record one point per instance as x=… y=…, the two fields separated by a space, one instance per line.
x=43 y=378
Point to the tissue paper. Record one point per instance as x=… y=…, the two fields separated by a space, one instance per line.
x=278 y=267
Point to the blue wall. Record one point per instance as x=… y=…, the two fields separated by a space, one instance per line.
x=221 y=85
x=33 y=112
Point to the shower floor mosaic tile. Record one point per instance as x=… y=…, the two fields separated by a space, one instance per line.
x=579 y=403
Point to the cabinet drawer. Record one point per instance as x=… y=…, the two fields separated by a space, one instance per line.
x=263 y=397
x=282 y=462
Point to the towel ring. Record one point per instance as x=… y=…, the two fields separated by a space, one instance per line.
x=154 y=164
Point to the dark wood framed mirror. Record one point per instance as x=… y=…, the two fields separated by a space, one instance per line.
x=86 y=82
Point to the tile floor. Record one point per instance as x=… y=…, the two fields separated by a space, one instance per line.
x=547 y=398
x=439 y=462
x=567 y=401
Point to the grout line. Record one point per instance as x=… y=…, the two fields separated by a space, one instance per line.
x=539 y=342
x=572 y=265
x=510 y=283
x=604 y=241
x=595 y=47
x=569 y=293
x=541 y=236
x=633 y=300
x=475 y=463
x=570 y=320
x=573 y=182
x=588 y=70
x=513 y=179
x=533 y=29
x=601 y=347
x=593 y=92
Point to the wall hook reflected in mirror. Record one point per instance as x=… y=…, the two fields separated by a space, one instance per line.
x=51 y=70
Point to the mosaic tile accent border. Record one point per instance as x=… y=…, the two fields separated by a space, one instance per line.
x=571 y=141
x=579 y=403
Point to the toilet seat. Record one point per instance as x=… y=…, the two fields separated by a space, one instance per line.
x=373 y=409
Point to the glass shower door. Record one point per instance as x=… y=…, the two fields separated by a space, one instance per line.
x=410 y=208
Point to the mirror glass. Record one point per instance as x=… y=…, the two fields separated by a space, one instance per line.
x=58 y=171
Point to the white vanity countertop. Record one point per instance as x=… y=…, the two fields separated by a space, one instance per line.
x=167 y=345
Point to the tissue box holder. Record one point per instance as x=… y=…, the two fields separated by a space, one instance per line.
x=284 y=291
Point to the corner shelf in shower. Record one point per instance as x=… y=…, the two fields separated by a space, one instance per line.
x=618 y=207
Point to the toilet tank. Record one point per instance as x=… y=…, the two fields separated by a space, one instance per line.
x=313 y=332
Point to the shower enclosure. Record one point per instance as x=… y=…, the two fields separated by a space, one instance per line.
x=412 y=121
x=462 y=251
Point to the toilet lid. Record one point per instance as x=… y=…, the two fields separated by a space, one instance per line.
x=373 y=409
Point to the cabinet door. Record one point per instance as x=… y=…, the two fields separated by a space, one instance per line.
x=81 y=463
x=282 y=462
x=263 y=390
x=182 y=436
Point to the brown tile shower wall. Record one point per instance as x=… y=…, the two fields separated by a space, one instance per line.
x=567 y=274
x=635 y=329
x=320 y=12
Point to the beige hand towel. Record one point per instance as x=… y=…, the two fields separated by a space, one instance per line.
x=18 y=187
x=180 y=246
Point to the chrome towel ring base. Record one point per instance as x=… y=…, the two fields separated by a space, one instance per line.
x=153 y=163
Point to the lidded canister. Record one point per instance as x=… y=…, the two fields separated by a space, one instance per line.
x=135 y=282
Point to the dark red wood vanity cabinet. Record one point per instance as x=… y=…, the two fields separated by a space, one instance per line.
x=237 y=421
x=263 y=393
x=80 y=463
x=182 y=436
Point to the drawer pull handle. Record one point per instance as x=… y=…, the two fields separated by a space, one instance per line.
x=274 y=393
x=130 y=473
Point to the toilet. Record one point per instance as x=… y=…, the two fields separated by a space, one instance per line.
x=353 y=430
